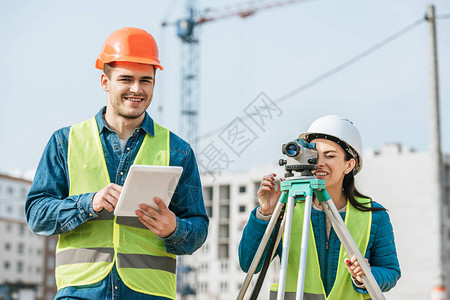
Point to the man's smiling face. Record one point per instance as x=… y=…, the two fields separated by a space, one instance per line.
x=129 y=88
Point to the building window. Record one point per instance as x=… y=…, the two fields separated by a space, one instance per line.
x=9 y=209
x=50 y=280
x=38 y=270
x=242 y=189
x=19 y=267
x=224 y=266
x=256 y=185
x=6 y=265
x=208 y=193
x=223 y=287
x=223 y=251
x=447 y=169
x=209 y=211
x=22 y=230
x=224 y=213
x=224 y=192
x=223 y=231
x=203 y=287
x=20 y=248
x=10 y=190
x=447 y=199
x=52 y=243
x=51 y=262
x=8 y=227
x=24 y=192
x=7 y=246
x=204 y=267
x=242 y=208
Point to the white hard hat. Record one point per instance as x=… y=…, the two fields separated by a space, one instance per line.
x=338 y=129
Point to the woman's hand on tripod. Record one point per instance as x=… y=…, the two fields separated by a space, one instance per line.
x=267 y=194
x=354 y=268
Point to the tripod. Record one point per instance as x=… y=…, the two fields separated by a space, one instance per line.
x=295 y=190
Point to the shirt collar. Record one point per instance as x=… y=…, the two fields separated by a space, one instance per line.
x=147 y=124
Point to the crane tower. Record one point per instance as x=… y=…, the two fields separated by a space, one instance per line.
x=188 y=34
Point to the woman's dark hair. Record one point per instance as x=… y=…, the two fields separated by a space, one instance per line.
x=351 y=192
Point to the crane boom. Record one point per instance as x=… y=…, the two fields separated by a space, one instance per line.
x=242 y=10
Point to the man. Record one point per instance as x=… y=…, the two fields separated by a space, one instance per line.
x=80 y=177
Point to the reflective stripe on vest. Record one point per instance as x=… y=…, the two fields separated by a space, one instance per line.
x=291 y=295
x=358 y=223
x=87 y=254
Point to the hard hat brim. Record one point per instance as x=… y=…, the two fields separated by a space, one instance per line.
x=356 y=155
x=99 y=63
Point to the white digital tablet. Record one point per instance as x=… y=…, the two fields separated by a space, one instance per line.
x=144 y=183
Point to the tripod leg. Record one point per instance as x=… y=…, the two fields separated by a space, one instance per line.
x=272 y=250
x=304 y=249
x=280 y=233
x=350 y=247
x=285 y=253
x=260 y=250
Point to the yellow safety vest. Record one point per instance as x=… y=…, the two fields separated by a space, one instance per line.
x=358 y=223
x=87 y=254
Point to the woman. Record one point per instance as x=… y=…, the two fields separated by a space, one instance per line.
x=336 y=276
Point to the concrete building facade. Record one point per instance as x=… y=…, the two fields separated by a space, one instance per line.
x=397 y=177
x=21 y=251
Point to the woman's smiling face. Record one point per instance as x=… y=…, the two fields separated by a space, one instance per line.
x=331 y=164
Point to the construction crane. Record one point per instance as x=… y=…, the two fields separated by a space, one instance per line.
x=190 y=82
x=190 y=53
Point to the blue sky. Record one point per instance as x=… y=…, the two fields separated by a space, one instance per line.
x=48 y=79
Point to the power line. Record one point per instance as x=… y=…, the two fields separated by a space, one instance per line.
x=351 y=61
x=443 y=16
x=331 y=72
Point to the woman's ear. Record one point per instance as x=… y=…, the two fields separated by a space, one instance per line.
x=350 y=166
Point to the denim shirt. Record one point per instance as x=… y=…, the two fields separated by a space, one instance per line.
x=50 y=210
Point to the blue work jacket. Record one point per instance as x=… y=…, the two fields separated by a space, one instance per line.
x=381 y=251
x=49 y=210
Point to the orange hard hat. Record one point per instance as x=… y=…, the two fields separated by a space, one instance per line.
x=129 y=44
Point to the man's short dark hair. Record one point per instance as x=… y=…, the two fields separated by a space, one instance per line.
x=107 y=69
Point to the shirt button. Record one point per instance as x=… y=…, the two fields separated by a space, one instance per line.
x=121 y=173
x=116 y=148
x=137 y=130
x=128 y=148
x=90 y=215
x=115 y=287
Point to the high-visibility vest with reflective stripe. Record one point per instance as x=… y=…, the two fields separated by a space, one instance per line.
x=87 y=254
x=358 y=223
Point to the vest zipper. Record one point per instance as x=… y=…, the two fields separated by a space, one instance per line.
x=326 y=246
